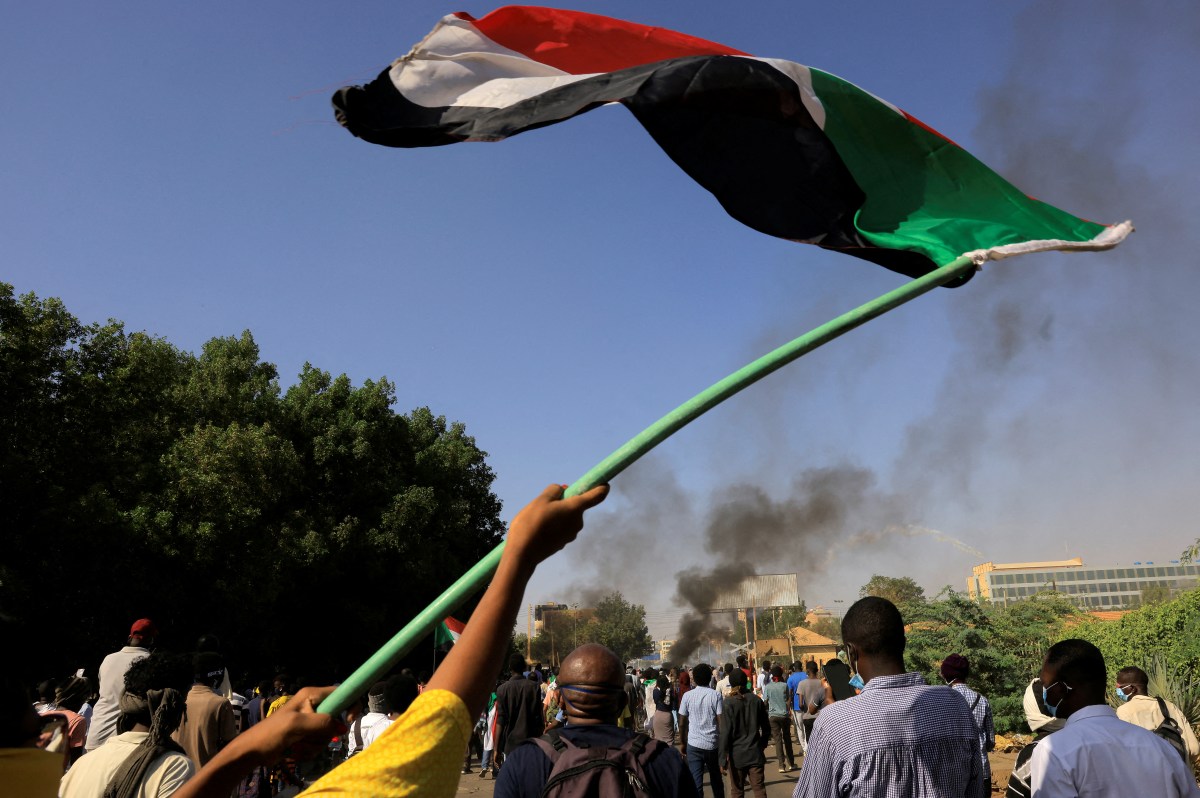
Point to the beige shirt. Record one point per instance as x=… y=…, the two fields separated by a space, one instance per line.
x=1142 y=710
x=208 y=727
x=88 y=777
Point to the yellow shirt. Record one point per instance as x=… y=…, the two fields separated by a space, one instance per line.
x=277 y=703
x=421 y=753
x=1142 y=710
x=30 y=772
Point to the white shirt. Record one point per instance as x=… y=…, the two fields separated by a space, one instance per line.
x=373 y=724
x=112 y=686
x=88 y=777
x=1097 y=755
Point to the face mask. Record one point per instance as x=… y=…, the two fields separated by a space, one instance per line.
x=1121 y=695
x=1052 y=710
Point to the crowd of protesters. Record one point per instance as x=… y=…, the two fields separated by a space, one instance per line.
x=160 y=724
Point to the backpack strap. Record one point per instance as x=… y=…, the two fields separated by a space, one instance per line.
x=638 y=744
x=975 y=703
x=1162 y=707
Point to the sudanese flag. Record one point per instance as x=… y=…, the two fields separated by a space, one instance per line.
x=786 y=149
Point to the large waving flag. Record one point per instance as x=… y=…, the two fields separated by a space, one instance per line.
x=786 y=149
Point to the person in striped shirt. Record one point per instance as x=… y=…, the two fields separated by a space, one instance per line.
x=900 y=736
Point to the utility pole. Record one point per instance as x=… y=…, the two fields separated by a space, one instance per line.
x=529 y=636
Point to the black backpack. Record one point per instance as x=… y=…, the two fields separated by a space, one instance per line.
x=1169 y=731
x=580 y=771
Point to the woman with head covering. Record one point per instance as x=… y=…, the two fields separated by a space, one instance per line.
x=141 y=759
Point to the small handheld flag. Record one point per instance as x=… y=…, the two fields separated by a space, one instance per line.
x=448 y=632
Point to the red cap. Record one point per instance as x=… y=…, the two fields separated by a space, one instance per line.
x=143 y=627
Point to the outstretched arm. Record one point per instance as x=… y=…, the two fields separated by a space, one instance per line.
x=543 y=527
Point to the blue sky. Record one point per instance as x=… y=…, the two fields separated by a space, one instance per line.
x=177 y=167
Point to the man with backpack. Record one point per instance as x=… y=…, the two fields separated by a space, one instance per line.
x=1156 y=714
x=592 y=755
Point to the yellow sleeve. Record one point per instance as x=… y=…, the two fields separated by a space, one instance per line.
x=421 y=753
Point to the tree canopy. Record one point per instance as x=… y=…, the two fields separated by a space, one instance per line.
x=900 y=590
x=303 y=527
x=614 y=622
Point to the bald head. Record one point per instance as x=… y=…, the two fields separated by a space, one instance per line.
x=592 y=663
x=592 y=680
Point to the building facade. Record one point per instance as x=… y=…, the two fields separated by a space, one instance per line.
x=1105 y=588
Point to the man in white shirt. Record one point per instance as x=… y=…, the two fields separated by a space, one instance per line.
x=103 y=723
x=367 y=728
x=1142 y=709
x=1096 y=753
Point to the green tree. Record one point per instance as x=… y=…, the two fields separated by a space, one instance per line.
x=900 y=590
x=1005 y=645
x=1155 y=593
x=828 y=627
x=619 y=625
x=303 y=527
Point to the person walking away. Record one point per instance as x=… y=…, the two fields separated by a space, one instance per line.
x=208 y=725
x=663 y=726
x=140 y=760
x=518 y=707
x=775 y=694
x=955 y=669
x=591 y=681
x=487 y=762
x=699 y=715
x=811 y=695
x=745 y=732
x=901 y=736
x=112 y=681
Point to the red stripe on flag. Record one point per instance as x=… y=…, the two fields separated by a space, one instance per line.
x=581 y=43
x=454 y=625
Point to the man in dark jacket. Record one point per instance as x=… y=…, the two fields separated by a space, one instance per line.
x=745 y=733
x=591 y=680
x=518 y=708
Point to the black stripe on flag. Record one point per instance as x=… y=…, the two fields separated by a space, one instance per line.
x=737 y=126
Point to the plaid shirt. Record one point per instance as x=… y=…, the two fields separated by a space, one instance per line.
x=983 y=721
x=900 y=738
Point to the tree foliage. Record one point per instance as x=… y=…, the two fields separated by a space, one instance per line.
x=900 y=590
x=613 y=622
x=303 y=527
x=1005 y=645
x=621 y=626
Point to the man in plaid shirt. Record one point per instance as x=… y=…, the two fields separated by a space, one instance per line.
x=899 y=737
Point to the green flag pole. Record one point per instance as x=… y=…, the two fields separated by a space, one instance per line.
x=473 y=580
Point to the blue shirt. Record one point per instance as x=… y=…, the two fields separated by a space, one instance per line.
x=900 y=738
x=792 y=683
x=700 y=706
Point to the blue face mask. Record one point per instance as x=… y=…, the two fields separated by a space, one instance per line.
x=1052 y=709
x=1121 y=695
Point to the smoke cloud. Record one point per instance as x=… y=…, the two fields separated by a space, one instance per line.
x=1062 y=418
